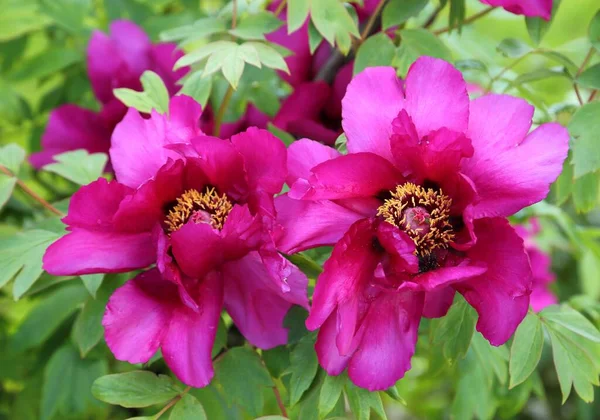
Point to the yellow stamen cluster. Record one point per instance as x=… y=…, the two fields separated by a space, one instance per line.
x=438 y=234
x=209 y=202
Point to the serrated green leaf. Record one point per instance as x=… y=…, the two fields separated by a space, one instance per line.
x=134 y=389
x=314 y=37
x=377 y=50
x=79 y=166
x=202 y=53
x=455 y=330
x=255 y=26
x=570 y=319
x=269 y=56
x=47 y=316
x=21 y=258
x=243 y=376
x=334 y=22
x=331 y=391
x=197 y=87
x=303 y=367
x=155 y=90
x=396 y=12
x=67 y=382
x=526 y=349
x=201 y=28
x=297 y=12
x=584 y=126
x=594 y=31
x=188 y=408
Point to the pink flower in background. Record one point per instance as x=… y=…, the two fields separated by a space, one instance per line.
x=532 y=8
x=202 y=210
x=416 y=211
x=116 y=60
x=541 y=295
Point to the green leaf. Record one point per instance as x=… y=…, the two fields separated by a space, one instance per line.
x=457 y=14
x=341 y=144
x=269 y=56
x=21 y=258
x=79 y=166
x=286 y=138
x=243 y=376
x=396 y=12
x=306 y=264
x=7 y=185
x=134 y=389
x=536 y=75
x=203 y=52
x=202 y=28
x=586 y=191
x=377 y=50
x=513 y=48
x=570 y=319
x=418 y=42
x=188 y=408
x=334 y=22
x=69 y=14
x=564 y=184
x=11 y=157
x=331 y=391
x=255 y=26
x=297 y=12
x=594 y=31
x=589 y=267
x=19 y=18
x=590 y=78
x=304 y=365
x=473 y=394
x=362 y=401
x=454 y=331
x=220 y=339
x=314 y=37
x=92 y=282
x=154 y=96
x=526 y=349
x=197 y=87
x=493 y=360
x=294 y=321
x=537 y=27
x=67 y=383
x=277 y=360
x=47 y=316
x=46 y=63
x=584 y=127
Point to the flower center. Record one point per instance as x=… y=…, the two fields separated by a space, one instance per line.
x=424 y=214
x=202 y=207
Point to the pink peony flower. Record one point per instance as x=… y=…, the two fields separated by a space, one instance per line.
x=532 y=8
x=202 y=210
x=114 y=61
x=417 y=211
x=541 y=295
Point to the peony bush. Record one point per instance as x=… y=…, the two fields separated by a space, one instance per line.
x=299 y=209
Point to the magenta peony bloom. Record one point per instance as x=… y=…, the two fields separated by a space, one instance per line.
x=532 y=8
x=71 y=127
x=417 y=211
x=202 y=210
x=541 y=295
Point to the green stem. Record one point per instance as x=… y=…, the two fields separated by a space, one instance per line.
x=468 y=20
x=221 y=112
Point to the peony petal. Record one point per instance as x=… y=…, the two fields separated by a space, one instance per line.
x=137 y=150
x=188 y=344
x=100 y=70
x=389 y=336
x=256 y=304
x=345 y=273
x=133 y=45
x=501 y=295
x=539 y=8
x=265 y=159
x=183 y=121
x=513 y=176
x=137 y=317
x=373 y=99
x=326 y=348
x=310 y=224
x=348 y=176
x=242 y=232
x=436 y=96
x=305 y=154
x=197 y=248
x=437 y=302
x=87 y=252
x=400 y=248
x=71 y=128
